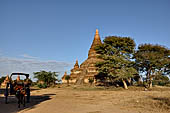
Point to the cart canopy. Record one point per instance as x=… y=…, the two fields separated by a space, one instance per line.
x=27 y=75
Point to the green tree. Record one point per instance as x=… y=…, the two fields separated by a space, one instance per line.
x=116 y=54
x=67 y=78
x=46 y=77
x=152 y=59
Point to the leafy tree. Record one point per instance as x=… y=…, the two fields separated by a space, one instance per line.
x=67 y=78
x=152 y=59
x=116 y=54
x=46 y=77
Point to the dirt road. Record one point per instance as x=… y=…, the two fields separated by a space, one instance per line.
x=84 y=100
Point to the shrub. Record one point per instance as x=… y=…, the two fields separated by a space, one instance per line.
x=44 y=85
x=91 y=80
x=161 y=80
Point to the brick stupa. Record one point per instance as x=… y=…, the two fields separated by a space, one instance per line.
x=63 y=78
x=3 y=85
x=81 y=74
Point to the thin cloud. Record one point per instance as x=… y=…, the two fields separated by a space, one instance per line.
x=28 y=56
x=9 y=65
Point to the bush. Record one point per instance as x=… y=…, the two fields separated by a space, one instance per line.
x=44 y=85
x=160 y=83
x=91 y=80
x=161 y=80
x=34 y=84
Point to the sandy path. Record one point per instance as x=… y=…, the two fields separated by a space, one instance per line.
x=72 y=101
x=69 y=100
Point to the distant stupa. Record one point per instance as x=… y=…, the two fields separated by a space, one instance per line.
x=3 y=85
x=81 y=74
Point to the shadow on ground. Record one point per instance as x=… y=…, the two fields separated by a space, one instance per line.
x=12 y=106
x=2 y=90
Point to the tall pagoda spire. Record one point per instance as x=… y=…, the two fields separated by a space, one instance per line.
x=96 y=41
x=82 y=73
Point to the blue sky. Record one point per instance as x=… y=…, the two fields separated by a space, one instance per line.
x=52 y=34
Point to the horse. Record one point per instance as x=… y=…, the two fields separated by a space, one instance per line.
x=20 y=93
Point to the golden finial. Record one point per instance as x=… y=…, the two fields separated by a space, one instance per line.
x=76 y=60
x=97 y=31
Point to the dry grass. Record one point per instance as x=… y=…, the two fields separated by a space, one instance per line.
x=153 y=104
x=156 y=99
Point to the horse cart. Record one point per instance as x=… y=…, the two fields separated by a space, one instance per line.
x=19 y=88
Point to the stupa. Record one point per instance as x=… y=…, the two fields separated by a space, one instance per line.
x=63 y=78
x=81 y=74
x=3 y=85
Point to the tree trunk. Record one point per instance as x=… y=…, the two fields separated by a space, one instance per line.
x=124 y=83
x=67 y=82
x=150 y=79
x=130 y=81
x=139 y=81
x=150 y=83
